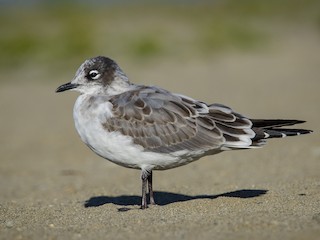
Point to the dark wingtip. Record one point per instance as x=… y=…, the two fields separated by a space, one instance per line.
x=299 y=121
x=267 y=123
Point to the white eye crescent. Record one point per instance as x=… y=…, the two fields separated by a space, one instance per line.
x=94 y=74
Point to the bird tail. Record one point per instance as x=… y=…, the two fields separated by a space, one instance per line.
x=273 y=128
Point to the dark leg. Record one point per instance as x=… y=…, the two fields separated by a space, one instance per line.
x=152 y=202
x=144 y=178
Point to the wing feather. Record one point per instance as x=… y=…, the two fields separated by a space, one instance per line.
x=164 y=122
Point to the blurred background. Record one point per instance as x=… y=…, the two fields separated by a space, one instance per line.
x=55 y=36
x=261 y=58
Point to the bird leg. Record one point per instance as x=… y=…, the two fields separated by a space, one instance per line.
x=152 y=202
x=146 y=177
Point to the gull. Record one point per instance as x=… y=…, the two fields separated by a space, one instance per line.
x=150 y=128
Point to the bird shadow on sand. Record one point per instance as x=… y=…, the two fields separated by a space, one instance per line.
x=164 y=198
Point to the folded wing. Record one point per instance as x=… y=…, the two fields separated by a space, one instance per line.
x=164 y=122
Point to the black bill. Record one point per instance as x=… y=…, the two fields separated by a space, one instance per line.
x=66 y=87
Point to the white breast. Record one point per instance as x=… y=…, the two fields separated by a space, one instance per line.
x=89 y=114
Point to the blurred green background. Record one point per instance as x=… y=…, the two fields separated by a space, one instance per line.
x=58 y=34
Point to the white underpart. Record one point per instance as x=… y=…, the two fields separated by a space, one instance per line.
x=89 y=116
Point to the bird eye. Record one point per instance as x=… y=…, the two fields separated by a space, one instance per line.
x=94 y=74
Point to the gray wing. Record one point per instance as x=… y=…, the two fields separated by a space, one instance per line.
x=164 y=122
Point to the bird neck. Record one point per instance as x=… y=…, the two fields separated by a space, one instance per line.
x=119 y=85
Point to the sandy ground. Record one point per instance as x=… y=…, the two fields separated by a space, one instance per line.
x=53 y=187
